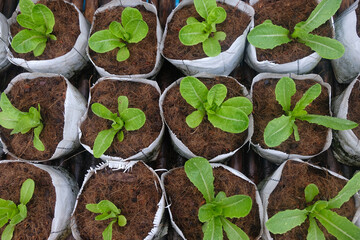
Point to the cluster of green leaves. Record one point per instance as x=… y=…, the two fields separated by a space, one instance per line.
x=15 y=213
x=130 y=118
x=338 y=226
x=230 y=116
x=21 y=122
x=108 y=210
x=132 y=29
x=267 y=35
x=39 y=21
x=204 y=32
x=214 y=213
x=281 y=128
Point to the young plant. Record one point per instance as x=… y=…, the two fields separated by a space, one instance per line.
x=132 y=29
x=204 y=32
x=130 y=118
x=108 y=210
x=281 y=128
x=39 y=21
x=336 y=225
x=267 y=35
x=21 y=122
x=230 y=116
x=15 y=213
x=214 y=213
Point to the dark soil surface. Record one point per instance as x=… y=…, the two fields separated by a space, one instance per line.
x=66 y=30
x=135 y=193
x=358 y=21
x=186 y=200
x=289 y=194
x=287 y=13
x=142 y=55
x=266 y=108
x=140 y=95
x=234 y=25
x=204 y=140
x=354 y=107
x=50 y=93
x=40 y=209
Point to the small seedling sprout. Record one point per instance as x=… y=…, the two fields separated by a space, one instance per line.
x=130 y=118
x=336 y=225
x=217 y=209
x=267 y=35
x=108 y=210
x=132 y=29
x=39 y=21
x=9 y=211
x=21 y=122
x=230 y=115
x=281 y=128
x=204 y=32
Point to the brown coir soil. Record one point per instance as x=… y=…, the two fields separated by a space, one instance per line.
x=140 y=95
x=266 y=108
x=354 y=107
x=186 y=200
x=142 y=54
x=204 y=140
x=40 y=209
x=287 y=13
x=135 y=193
x=358 y=21
x=66 y=30
x=234 y=25
x=50 y=93
x=289 y=194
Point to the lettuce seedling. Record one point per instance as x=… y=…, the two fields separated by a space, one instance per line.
x=230 y=116
x=336 y=225
x=130 y=118
x=15 y=213
x=132 y=29
x=108 y=210
x=21 y=122
x=204 y=32
x=267 y=35
x=281 y=128
x=214 y=213
x=39 y=21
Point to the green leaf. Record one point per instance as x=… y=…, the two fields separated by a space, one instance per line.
x=286 y=220
x=217 y=94
x=236 y=206
x=122 y=221
x=117 y=29
x=52 y=37
x=220 y=36
x=26 y=7
x=233 y=232
x=296 y=133
x=42 y=15
x=267 y=35
x=229 y=119
x=200 y=173
x=311 y=191
x=350 y=189
x=326 y=47
x=278 y=130
x=314 y=232
x=195 y=118
x=3 y=220
x=123 y=103
x=7 y=207
x=216 y=15
x=123 y=54
x=8 y=232
x=104 y=41
x=129 y=14
x=20 y=216
x=101 y=111
x=204 y=7
x=27 y=191
x=193 y=91
x=27 y=40
x=27 y=121
x=107 y=233
x=137 y=29
x=284 y=90
x=103 y=141
x=193 y=34
x=242 y=103
x=214 y=230
x=120 y=136
x=211 y=47
x=25 y=21
x=93 y=207
x=106 y=205
x=105 y=216
x=309 y=96
x=329 y=122
x=220 y=196
x=39 y=49
x=338 y=226
x=36 y=141
x=7 y=120
x=207 y=212
x=6 y=106
x=134 y=118
x=191 y=20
